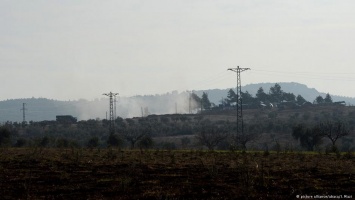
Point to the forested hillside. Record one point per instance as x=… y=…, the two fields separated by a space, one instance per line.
x=216 y=95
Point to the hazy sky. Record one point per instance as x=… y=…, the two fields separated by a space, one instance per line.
x=65 y=49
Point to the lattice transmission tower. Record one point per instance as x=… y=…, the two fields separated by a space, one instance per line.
x=240 y=126
x=23 y=113
x=112 y=115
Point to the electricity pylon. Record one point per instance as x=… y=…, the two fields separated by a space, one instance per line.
x=112 y=120
x=190 y=102
x=115 y=113
x=240 y=127
x=23 y=113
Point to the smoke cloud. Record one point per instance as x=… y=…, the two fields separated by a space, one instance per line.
x=138 y=106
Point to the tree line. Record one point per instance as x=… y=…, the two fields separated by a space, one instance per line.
x=275 y=96
x=309 y=130
x=305 y=127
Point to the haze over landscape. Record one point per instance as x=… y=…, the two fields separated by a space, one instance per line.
x=69 y=50
x=179 y=126
x=38 y=109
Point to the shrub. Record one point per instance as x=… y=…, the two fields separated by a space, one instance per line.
x=114 y=140
x=5 y=136
x=168 y=145
x=146 y=142
x=62 y=143
x=44 y=142
x=21 y=142
x=93 y=142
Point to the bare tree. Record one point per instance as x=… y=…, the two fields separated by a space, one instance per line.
x=250 y=133
x=210 y=135
x=333 y=131
x=133 y=134
x=243 y=139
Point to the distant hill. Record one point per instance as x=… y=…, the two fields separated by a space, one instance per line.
x=216 y=95
x=39 y=109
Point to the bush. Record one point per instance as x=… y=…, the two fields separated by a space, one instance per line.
x=5 y=136
x=272 y=115
x=168 y=145
x=146 y=142
x=21 y=142
x=93 y=142
x=306 y=116
x=277 y=147
x=114 y=140
x=331 y=149
x=44 y=142
x=62 y=143
x=185 y=141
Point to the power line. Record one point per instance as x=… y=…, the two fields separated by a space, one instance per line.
x=309 y=75
x=303 y=72
x=208 y=81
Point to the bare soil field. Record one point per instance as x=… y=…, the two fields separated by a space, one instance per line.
x=34 y=173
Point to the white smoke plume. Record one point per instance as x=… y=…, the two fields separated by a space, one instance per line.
x=136 y=106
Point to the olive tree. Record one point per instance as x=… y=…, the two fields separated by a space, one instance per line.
x=308 y=137
x=210 y=135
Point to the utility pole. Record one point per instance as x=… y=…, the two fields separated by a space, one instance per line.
x=201 y=106
x=222 y=102
x=190 y=109
x=112 y=125
x=240 y=127
x=115 y=114
x=23 y=113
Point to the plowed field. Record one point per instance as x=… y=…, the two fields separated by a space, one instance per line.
x=123 y=174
